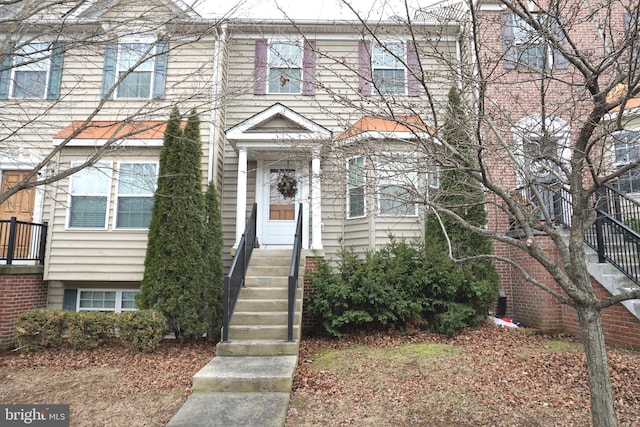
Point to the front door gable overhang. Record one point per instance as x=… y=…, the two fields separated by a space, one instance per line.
x=277 y=128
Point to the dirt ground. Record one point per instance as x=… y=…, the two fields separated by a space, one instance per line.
x=107 y=386
x=485 y=377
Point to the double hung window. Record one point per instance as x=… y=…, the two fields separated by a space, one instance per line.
x=627 y=150
x=285 y=67
x=389 y=73
x=89 y=190
x=355 y=187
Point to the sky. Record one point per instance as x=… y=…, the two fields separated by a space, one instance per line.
x=309 y=9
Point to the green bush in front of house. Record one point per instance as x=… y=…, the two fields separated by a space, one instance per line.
x=89 y=329
x=399 y=284
x=141 y=330
x=38 y=329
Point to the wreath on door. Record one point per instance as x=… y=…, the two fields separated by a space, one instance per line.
x=287 y=186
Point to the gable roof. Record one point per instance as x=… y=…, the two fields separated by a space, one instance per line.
x=95 y=8
x=371 y=127
x=277 y=123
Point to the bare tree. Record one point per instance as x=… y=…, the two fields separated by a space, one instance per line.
x=74 y=67
x=548 y=87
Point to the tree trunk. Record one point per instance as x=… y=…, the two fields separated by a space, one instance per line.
x=602 y=411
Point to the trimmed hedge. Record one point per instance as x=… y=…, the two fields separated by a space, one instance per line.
x=38 y=329
x=141 y=330
x=89 y=329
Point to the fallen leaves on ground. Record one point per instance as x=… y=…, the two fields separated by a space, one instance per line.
x=106 y=386
x=501 y=377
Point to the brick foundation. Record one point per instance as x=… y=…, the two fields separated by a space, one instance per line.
x=309 y=324
x=536 y=308
x=21 y=289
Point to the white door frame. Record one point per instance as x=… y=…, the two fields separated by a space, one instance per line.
x=262 y=196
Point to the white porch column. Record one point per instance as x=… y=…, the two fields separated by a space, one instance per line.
x=241 y=195
x=316 y=202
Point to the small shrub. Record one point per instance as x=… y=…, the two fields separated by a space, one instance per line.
x=455 y=318
x=89 y=329
x=141 y=330
x=38 y=329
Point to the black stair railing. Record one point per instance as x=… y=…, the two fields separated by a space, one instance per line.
x=234 y=280
x=293 y=274
x=615 y=234
x=22 y=241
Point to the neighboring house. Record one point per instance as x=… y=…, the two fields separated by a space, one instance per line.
x=103 y=74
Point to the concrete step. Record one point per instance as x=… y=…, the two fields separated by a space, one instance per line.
x=257 y=270
x=257 y=332
x=269 y=282
x=246 y=374
x=267 y=293
x=257 y=348
x=265 y=305
x=232 y=410
x=262 y=318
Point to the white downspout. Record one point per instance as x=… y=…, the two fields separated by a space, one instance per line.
x=215 y=104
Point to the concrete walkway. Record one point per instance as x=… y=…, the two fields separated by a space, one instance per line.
x=248 y=383
x=239 y=391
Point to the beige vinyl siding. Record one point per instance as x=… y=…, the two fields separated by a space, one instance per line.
x=335 y=106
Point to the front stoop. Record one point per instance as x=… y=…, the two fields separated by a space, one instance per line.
x=249 y=381
x=233 y=409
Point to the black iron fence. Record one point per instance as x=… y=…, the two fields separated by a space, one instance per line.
x=293 y=274
x=22 y=241
x=234 y=280
x=615 y=235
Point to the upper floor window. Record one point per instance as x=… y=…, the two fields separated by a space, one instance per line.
x=90 y=190
x=285 y=67
x=137 y=70
x=355 y=187
x=32 y=71
x=391 y=68
x=388 y=67
x=526 y=48
x=627 y=150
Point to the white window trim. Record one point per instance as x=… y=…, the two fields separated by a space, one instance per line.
x=151 y=60
x=382 y=45
x=118 y=306
x=117 y=192
x=15 y=67
x=69 y=198
x=380 y=181
x=301 y=65
x=364 y=186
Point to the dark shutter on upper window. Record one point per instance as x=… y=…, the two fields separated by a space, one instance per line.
x=559 y=60
x=413 y=70
x=364 y=67
x=309 y=68
x=160 y=70
x=260 y=68
x=109 y=71
x=55 y=73
x=5 y=74
x=69 y=300
x=631 y=29
x=510 y=54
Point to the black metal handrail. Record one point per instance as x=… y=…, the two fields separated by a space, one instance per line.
x=22 y=241
x=234 y=280
x=614 y=235
x=293 y=274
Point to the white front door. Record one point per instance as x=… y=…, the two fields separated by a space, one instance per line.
x=283 y=188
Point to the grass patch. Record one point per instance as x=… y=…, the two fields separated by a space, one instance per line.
x=338 y=359
x=551 y=346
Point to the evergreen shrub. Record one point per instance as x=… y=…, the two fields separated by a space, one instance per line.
x=141 y=330
x=38 y=329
